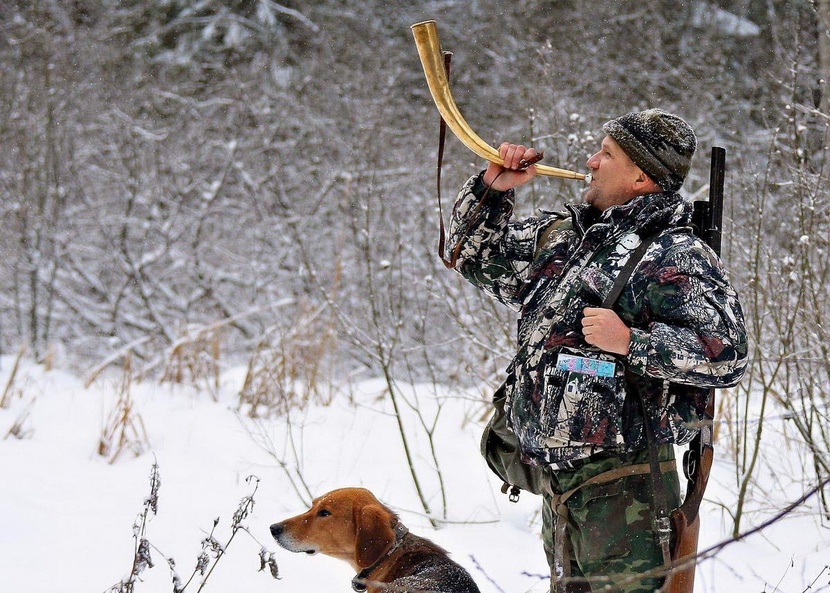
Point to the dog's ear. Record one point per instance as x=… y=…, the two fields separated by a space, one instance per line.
x=374 y=534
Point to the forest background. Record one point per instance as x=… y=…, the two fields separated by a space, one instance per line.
x=188 y=186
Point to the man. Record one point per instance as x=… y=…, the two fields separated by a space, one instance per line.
x=678 y=322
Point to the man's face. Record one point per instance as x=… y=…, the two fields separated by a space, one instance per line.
x=614 y=177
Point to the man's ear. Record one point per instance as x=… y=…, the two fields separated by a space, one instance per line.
x=374 y=535
x=643 y=184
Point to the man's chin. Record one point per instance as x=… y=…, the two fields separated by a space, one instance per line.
x=589 y=196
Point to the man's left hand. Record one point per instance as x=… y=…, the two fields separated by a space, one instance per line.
x=604 y=329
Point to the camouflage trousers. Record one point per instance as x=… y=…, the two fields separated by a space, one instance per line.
x=608 y=538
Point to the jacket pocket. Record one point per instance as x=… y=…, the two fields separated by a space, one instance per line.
x=582 y=395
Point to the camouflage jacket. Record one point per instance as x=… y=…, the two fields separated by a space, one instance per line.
x=687 y=326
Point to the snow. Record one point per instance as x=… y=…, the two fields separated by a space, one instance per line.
x=707 y=14
x=67 y=515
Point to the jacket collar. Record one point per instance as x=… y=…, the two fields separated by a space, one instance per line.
x=644 y=214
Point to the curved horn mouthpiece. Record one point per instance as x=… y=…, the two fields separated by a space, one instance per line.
x=432 y=59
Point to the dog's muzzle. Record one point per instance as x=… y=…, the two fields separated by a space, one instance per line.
x=276 y=530
x=286 y=541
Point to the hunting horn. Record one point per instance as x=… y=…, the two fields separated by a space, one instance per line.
x=432 y=59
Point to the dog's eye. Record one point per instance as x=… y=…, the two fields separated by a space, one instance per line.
x=323 y=513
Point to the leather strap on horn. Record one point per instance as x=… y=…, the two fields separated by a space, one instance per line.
x=442 y=137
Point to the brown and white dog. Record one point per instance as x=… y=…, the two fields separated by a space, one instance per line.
x=352 y=525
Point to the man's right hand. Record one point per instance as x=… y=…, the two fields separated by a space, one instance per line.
x=511 y=174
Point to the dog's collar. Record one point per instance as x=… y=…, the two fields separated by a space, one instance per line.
x=359 y=581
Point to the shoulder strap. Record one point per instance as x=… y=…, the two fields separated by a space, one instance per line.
x=625 y=273
x=662 y=524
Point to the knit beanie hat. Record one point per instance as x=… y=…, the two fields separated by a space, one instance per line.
x=660 y=143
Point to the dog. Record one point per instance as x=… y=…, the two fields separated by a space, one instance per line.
x=352 y=525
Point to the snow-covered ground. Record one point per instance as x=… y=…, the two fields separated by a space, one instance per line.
x=67 y=515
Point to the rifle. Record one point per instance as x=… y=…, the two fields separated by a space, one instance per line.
x=697 y=461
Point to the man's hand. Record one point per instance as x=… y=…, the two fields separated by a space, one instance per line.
x=511 y=174
x=604 y=329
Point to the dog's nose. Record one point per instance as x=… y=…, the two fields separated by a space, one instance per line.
x=276 y=530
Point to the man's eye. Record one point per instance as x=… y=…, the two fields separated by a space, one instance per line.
x=323 y=513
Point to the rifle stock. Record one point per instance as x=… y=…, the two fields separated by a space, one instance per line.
x=682 y=578
x=708 y=221
x=685 y=523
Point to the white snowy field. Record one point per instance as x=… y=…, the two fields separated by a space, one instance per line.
x=67 y=515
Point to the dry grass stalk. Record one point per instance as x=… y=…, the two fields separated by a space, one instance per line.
x=8 y=391
x=141 y=557
x=113 y=358
x=194 y=360
x=18 y=429
x=124 y=430
x=286 y=372
x=48 y=361
x=212 y=549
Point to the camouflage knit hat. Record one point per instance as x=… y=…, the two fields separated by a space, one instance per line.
x=660 y=143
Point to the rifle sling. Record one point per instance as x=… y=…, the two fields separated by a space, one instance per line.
x=625 y=273
x=662 y=522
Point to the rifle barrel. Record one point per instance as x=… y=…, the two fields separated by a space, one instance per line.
x=714 y=218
